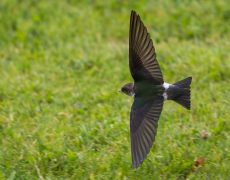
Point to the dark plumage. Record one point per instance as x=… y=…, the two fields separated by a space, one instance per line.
x=149 y=90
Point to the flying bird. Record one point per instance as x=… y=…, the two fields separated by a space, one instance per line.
x=148 y=89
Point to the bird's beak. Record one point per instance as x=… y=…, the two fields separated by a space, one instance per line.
x=119 y=91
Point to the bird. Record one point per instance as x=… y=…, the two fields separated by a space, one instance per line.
x=149 y=90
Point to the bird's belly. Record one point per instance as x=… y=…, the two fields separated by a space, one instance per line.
x=148 y=90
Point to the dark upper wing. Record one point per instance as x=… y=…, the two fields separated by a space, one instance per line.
x=142 y=57
x=144 y=118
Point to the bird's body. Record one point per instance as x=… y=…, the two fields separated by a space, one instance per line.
x=149 y=90
x=146 y=87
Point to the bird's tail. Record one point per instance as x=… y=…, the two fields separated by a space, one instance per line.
x=184 y=98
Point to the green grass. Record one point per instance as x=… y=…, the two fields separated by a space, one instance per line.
x=61 y=64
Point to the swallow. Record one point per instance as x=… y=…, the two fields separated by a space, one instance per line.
x=149 y=90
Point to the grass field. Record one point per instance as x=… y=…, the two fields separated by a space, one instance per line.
x=61 y=66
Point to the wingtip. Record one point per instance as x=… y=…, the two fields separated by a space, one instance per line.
x=133 y=12
x=135 y=165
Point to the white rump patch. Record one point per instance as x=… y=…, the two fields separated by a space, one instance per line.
x=166 y=85
x=165 y=96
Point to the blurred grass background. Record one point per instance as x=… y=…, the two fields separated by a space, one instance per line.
x=61 y=64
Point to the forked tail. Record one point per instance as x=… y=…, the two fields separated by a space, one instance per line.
x=184 y=98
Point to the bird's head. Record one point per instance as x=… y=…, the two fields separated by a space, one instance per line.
x=128 y=89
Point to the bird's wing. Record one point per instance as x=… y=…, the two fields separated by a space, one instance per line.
x=144 y=118
x=142 y=57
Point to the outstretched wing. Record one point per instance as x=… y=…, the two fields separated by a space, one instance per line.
x=142 y=57
x=144 y=118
